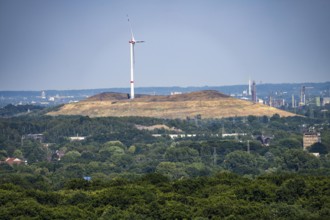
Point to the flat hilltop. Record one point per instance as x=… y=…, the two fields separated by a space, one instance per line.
x=208 y=104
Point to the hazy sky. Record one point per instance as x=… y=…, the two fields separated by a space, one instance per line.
x=80 y=44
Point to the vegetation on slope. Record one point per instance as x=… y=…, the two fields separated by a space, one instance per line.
x=205 y=104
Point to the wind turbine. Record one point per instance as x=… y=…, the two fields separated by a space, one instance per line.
x=132 y=43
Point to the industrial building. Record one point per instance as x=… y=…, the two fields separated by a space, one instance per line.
x=311 y=138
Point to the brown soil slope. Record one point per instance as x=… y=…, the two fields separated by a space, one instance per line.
x=208 y=104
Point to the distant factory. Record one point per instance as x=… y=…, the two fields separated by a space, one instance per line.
x=306 y=96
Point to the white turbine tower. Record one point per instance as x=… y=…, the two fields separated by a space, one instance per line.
x=132 y=43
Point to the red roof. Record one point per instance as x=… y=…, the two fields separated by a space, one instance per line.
x=12 y=160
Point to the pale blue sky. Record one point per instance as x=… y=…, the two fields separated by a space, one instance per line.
x=79 y=44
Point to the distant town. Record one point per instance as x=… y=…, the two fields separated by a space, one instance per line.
x=284 y=96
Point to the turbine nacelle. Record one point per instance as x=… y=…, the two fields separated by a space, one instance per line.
x=133 y=41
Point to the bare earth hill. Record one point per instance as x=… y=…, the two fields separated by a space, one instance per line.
x=208 y=104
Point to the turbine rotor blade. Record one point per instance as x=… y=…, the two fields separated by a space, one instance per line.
x=130 y=26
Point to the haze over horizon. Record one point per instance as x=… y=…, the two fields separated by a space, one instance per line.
x=84 y=44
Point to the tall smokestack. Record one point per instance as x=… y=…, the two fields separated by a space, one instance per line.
x=254 y=92
x=302 y=96
x=293 y=102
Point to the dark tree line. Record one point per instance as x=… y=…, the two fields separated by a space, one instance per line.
x=153 y=196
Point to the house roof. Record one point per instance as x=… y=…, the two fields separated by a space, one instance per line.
x=13 y=160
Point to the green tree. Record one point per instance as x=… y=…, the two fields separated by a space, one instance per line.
x=242 y=162
x=291 y=190
x=297 y=160
x=72 y=170
x=3 y=154
x=318 y=148
x=71 y=156
x=18 y=154
x=34 y=151
x=182 y=154
x=172 y=170
x=290 y=143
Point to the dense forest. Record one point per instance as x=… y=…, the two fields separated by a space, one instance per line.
x=153 y=196
x=116 y=170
